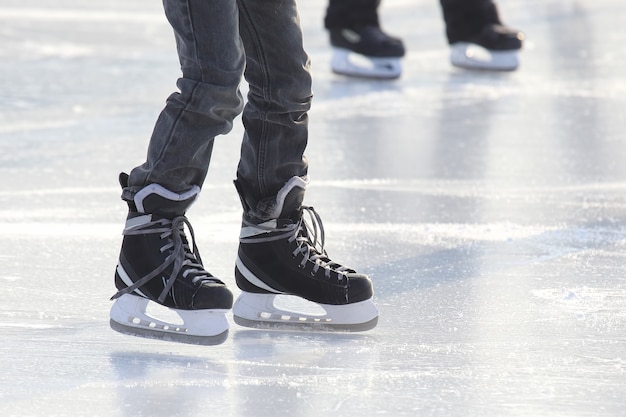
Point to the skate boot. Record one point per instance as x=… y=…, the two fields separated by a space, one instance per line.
x=286 y=256
x=495 y=47
x=366 y=51
x=158 y=269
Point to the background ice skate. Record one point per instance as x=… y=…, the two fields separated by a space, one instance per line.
x=489 y=209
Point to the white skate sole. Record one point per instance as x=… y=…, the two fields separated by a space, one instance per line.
x=199 y=327
x=346 y=62
x=260 y=311
x=471 y=56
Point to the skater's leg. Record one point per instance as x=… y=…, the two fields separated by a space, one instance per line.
x=275 y=116
x=465 y=18
x=212 y=62
x=351 y=13
x=277 y=252
x=158 y=264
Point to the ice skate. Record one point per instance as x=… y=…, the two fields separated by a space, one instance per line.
x=366 y=52
x=494 y=48
x=286 y=256
x=159 y=270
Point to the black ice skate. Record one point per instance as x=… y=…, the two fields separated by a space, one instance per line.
x=158 y=266
x=366 y=51
x=286 y=256
x=495 y=47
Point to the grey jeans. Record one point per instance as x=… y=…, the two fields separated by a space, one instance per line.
x=217 y=42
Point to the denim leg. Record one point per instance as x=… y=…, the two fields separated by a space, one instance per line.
x=275 y=116
x=212 y=62
x=465 y=18
x=342 y=14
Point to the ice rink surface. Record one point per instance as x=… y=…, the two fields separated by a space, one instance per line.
x=488 y=208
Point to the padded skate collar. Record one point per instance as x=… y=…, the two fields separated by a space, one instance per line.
x=155 y=198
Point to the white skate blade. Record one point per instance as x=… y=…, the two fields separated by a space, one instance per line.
x=260 y=311
x=199 y=327
x=348 y=63
x=471 y=56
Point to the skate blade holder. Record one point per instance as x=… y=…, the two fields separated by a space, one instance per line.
x=346 y=62
x=472 y=56
x=139 y=316
x=271 y=311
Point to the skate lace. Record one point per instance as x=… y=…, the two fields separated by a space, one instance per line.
x=181 y=256
x=309 y=236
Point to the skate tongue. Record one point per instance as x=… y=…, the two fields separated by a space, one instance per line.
x=289 y=199
x=285 y=205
